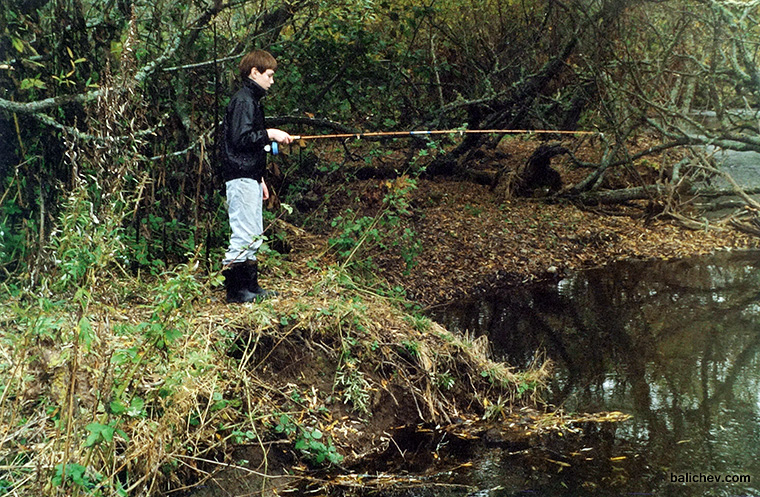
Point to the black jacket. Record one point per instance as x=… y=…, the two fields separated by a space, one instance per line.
x=244 y=135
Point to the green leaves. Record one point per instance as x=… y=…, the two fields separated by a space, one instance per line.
x=314 y=450
x=358 y=237
x=102 y=433
x=93 y=483
x=286 y=426
x=29 y=83
x=18 y=44
x=86 y=335
x=72 y=473
x=310 y=442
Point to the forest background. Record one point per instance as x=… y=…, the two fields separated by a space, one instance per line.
x=107 y=156
x=113 y=104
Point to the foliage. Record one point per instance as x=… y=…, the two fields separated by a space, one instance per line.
x=440 y=64
x=315 y=450
x=310 y=442
x=84 y=242
x=357 y=237
x=77 y=476
x=336 y=57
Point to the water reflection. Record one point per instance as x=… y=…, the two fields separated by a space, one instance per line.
x=675 y=344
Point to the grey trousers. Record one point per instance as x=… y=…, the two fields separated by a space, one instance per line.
x=244 y=206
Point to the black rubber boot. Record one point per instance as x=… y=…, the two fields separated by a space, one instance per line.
x=236 y=284
x=252 y=270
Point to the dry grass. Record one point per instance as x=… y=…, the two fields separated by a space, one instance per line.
x=330 y=354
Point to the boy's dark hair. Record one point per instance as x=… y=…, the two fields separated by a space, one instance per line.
x=260 y=59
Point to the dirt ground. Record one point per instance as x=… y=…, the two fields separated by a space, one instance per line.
x=472 y=241
x=474 y=236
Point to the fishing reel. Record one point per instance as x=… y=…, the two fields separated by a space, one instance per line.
x=273 y=148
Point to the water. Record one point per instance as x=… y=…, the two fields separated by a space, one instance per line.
x=674 y=344
x=742 y=167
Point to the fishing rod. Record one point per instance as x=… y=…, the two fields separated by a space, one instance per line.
x=391 y=134
x=301 y=139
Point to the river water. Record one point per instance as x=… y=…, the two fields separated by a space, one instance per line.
x=674 y=344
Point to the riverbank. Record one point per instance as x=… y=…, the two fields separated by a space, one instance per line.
x=472 y=241
x=155 y=386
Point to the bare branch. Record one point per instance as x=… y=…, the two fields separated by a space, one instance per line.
x=48 y=103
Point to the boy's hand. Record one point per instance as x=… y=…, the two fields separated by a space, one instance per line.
x=264 y=190
x=279 y=136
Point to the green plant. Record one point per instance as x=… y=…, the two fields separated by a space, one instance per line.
x=295 y=396
x=496 y=410
x=83 y=243
x=419 y=322
x=418 y=164
x=358 y=237
x=412 y=347
x=353 y=232
x=242 y=437
x=100 y=432
x=309 y=442
x=356 y=388
x=445 y=380
x=526 y=385
x=286 y=425
x=177 y=289
x=490 y=374
x=312 y=447
x=76 y=478
x=134 y=409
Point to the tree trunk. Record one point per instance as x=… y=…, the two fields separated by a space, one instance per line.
x=624 y=195
x=508 y=115
x=537 y=172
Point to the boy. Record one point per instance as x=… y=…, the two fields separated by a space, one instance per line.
x=243 y=166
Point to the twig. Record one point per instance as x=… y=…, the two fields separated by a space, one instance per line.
x=230 y=466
